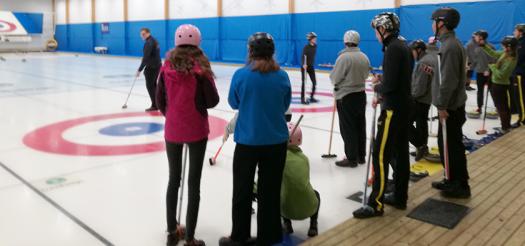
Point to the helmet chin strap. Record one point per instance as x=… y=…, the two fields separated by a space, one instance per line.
x=382 y=38
x=436 y=35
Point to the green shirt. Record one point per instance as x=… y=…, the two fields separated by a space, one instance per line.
x=298 y=199
x=501 y=75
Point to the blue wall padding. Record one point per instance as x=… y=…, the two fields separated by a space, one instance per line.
x=224 y=39
x=116 y=38
x=61 y=35
x=32 y=22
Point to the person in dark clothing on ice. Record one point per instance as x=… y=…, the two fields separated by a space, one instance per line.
x=482 y=70
x=449 y=96
x=308 y=62
x=518 y=76
x=470 y=48
x=151 y=64
x=391 y=145
x=422 y=95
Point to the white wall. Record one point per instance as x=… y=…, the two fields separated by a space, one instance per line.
x=192 y=9
x=109 y=10
x=60 y=8
x=140 y=10
x=414 y=2
x=36 y=6
x=311 y=6
x=255 y=7
x=80 y=11
x=27 y=5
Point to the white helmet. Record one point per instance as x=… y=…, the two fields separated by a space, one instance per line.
x=352 y=37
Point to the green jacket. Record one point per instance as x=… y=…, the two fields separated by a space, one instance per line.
x=501 y=75
x=298 y=200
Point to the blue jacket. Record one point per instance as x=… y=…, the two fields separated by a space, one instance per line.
x=262 y=101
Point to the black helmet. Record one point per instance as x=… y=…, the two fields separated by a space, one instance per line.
x=388 y=20
x=449 y=16
x=418 y=44
x=311 y=35
x=482 y=33
x=509 y=41
x=520 y=27
x=261 y=45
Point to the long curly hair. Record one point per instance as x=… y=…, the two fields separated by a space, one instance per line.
x=183 y=58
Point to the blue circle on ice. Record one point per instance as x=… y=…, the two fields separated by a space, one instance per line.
x=131 y=129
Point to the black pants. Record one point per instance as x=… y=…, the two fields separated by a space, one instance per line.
x=481 y=80
x=313 y=218
x=311 y=72
x=469 y=76
x=390 y=147
x=500 y=94
x=196 y=157
x=418 y=133
x=270 y=160
x=352 y=123
x=519 y=94
x=151 y=74
x=456 y=149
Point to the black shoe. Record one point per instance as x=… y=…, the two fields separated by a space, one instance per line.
x=287 y=226
x=367 y=212
x=421 y=152
x=312 y=231
x=440 y=185
x=151 y=109
x=227 y=241
x=194 y=242
x=457 y=191
x=470 y=88
x=305 y=102
x=346 y=163
x=173 y=239
x=175 y=236
x=432 y=158
x=362 y=160
x=313 y=100
x=390 y=199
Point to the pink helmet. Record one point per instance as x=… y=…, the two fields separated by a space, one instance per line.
x=432 y=40
x=188 y=35
x=297 y=138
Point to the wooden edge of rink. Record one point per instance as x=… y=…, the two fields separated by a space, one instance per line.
x=507 y=152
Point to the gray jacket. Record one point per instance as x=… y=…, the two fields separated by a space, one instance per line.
x=482 y=59
x=422 y=81
x=350 y=72
x=450 y=93
x=470 y=48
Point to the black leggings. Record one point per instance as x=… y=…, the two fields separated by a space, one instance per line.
x=151 y=75
x=481 y=80
x=501 y=100
x=196 y=156
x=418 y=134
x=270 y=159
x=311 y=72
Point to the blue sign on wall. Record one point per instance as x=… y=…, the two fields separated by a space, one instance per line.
x=104 y=28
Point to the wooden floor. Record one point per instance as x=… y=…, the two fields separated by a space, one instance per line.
x=497 y=174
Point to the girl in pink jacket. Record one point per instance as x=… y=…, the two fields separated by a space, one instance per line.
x=185 y=68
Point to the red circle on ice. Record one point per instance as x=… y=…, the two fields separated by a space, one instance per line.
x=324 y=109
x=7 y=26
x=50 y=138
